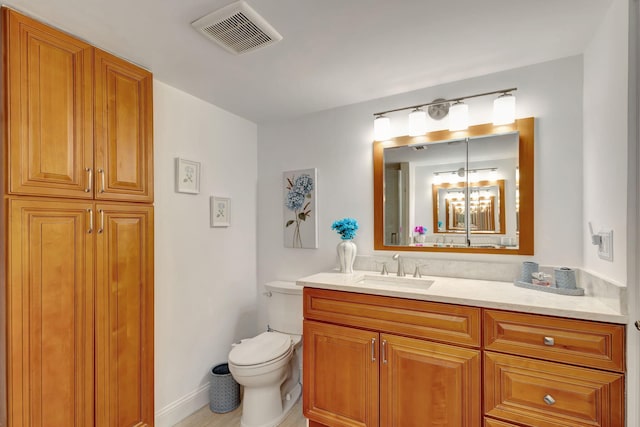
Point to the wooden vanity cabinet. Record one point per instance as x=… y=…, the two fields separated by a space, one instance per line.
x=368 y=362
x=382 y=361
x=78 y=120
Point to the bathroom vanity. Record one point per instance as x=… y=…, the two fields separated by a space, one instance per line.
x=388 y=351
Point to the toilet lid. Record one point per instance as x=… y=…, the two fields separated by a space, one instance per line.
x=260 y=349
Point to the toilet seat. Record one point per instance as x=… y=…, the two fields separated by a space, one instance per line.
x=266 y=348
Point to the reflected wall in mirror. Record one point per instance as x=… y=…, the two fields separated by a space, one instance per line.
x=469 y=191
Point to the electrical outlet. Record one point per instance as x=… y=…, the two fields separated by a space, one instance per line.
x=605 y=248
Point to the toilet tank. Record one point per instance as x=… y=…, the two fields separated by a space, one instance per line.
x=284 y=307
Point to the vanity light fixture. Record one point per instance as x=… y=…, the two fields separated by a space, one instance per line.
x=458 y=111
x=381 y=128
x=458 y=116
x=417 y=122
x=504 y=109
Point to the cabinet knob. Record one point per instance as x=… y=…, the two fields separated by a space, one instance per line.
x=549 y=400
x=549 y=341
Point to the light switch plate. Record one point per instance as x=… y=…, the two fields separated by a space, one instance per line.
x=605 y=248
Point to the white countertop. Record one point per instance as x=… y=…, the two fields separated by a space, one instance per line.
x=479 y=293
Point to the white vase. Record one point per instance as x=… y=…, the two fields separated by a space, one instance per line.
x=346 y=256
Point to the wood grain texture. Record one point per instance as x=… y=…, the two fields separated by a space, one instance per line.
x=447 y=323
x=50 y=298
x=577 y=342
x=123 y=130
x=49 y=84
x=489 y=422
x=124 y=316
x=427 y=384
x=515 y=390
x=526 y=164
x=340 y=375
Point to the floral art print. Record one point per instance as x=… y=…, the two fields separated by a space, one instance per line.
x=300 y=216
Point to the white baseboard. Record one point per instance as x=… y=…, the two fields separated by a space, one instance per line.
x=175 y=412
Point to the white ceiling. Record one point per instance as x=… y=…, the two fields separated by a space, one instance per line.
x=333 y=52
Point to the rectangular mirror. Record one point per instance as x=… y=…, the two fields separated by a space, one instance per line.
x=469 y=191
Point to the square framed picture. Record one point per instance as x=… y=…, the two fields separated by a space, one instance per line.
x=187 y=176
x=220 y=211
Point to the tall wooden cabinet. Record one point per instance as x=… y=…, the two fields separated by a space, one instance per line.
x=77 y=213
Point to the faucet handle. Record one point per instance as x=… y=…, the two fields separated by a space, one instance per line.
x=417 y=273
x=384 y=271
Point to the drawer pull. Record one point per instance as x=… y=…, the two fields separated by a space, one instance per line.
x=549 y=341
x=549 y=400
x=373 y=349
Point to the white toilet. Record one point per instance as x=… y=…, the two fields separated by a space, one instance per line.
x=269 y=365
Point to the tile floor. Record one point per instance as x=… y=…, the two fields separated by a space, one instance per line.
x=205 y=418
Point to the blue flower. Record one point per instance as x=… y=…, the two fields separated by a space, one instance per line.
x=346 y=228
x=294 y=201
x=303 y=184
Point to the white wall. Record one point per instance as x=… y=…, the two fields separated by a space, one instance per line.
x=605 y=139
x=205 y=278
x=339 y=143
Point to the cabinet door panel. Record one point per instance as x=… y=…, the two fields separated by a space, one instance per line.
x=124 y=311
x=124 y=130
x=50 y=299
x=49 y=86
x=427 y=384
x=340 y=375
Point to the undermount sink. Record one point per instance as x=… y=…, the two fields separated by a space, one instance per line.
x=395 y=281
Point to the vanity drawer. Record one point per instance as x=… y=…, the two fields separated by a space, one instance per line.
x=488 y=422
x=547 y=394
x=420 y=319
x=578 y=342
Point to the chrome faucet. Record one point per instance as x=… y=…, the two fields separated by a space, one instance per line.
x=396 y=257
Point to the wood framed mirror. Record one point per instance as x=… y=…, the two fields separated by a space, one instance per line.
x=467 y=191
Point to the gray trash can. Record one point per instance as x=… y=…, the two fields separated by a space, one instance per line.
x=224 y=391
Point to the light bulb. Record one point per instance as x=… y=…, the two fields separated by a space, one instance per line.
x=458 y=116
x=381 y=128
x=504 y=109
x=417 y=122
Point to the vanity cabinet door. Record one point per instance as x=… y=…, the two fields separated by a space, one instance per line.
x=49 y=114
x=340 y=375
x=426 y=384
x=124 y=130
x=124 y=315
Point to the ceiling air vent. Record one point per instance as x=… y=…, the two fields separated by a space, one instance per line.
x=237 y=28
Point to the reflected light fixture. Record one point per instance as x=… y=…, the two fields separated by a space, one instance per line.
x=458 y=116
x=504 y=109
x=417 y=122
x=458 y=111
x=381 y=128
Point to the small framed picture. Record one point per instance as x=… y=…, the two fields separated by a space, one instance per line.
x=187 y=176
x=220 y=211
